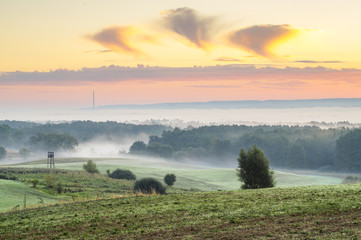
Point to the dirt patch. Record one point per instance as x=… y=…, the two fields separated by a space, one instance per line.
x=331 y=225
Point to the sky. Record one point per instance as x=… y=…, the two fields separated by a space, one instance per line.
x=54 y=54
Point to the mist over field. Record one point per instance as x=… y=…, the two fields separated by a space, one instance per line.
x=112 y=142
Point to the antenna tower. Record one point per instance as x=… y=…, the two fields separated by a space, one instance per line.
x=93 y=99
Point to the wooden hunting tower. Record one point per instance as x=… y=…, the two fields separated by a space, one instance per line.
x=50 y=163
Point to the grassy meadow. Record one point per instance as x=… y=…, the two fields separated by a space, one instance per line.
x=14 y=194
x=204 y=203
x=79 y=185
x=313 y=212
x=189 y=176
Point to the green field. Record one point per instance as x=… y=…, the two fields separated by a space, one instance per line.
x=13 y=193
x=75 y=186
x=315 y=212
x=205 y=203
x=188 y=176
x=79 y=185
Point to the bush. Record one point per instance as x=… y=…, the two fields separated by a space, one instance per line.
x=13 y=178
x=253 y=169
x=35 y=182
x=122 y=174
x=49 y=181
x=90 y=167
x=149 y=186
x=169 y=179
x=59 y=188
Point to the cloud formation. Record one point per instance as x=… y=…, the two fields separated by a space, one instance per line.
x=120 y=39
x=227 y=59
x=237 y=72
x=310 y=61
x=187 y=23
x=215 y=86
x=260 y=39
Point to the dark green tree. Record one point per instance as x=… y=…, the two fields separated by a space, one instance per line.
x=122 y=174
x=348 y=152
x=253 y=169
x=138 y=147
x=53 y=141
x=90 y=167
x=2 y=152
x=149 y=186
x=170 y=179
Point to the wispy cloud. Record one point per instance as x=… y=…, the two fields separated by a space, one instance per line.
x=215 y=86
x=189 y=24
x=227 y=59
x=260 y=39
x=121 y=39
x=310 y=61
x=233 y=72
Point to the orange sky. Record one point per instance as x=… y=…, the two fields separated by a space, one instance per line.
x=233 y=83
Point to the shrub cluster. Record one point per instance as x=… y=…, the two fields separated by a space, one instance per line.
x=149 y=186
x=169 y=179
x=90 y=167
x=8 y=177
x=122 y=174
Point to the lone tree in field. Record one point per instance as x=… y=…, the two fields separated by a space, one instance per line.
x=90 y=167
x=122 y=174
x=170 y=179
x=253 y=169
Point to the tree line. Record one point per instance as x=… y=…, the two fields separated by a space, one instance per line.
x=30 y=136
x=285 y=146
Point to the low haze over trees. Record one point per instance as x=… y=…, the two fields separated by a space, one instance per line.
x=53 y=142
x=24 y=153
x=2 y=152
x=285 y=146
x=66 y=136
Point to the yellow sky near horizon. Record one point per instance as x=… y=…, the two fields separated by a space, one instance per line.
x=44 y=35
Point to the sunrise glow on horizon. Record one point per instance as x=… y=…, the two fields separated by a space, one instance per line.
x=57 y=53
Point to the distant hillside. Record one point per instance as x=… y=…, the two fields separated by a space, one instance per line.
x=305 y=103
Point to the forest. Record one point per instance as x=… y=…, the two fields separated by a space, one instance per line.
x=286 y=146
x=66 y=136
x=294 y=147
